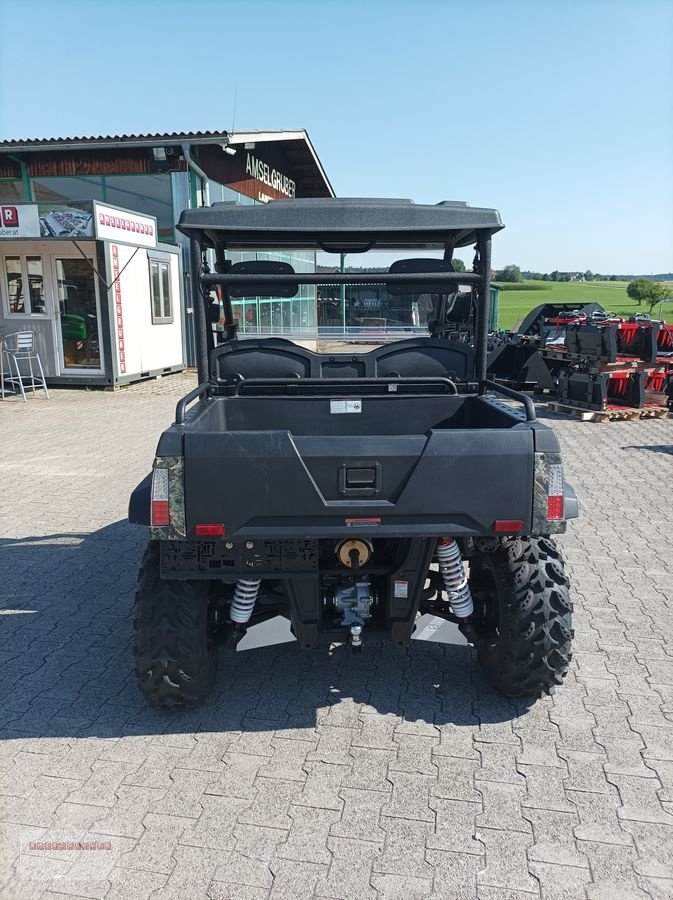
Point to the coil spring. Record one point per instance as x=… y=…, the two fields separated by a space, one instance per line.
x=454 y=578
x=244 y=599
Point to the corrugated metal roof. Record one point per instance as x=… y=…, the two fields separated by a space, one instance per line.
x=153 y=138
x=117 y=138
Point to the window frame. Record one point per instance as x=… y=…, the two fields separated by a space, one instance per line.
x=161 y=260
x=27 y=302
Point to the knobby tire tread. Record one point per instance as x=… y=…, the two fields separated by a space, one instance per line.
x=532 y=653
x=175 y=663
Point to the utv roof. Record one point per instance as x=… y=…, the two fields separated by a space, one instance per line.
x=340 y=223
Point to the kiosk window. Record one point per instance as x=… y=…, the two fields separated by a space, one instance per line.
x=25 y=285
x=160 y=286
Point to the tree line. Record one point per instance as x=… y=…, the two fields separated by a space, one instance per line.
x=645 y=291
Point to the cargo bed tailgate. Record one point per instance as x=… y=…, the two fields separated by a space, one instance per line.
x=273 y=484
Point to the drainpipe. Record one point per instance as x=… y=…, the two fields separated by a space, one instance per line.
x=190 y=162
x=25 y=180
x=191 y=269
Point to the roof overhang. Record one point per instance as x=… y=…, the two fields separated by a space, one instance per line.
x=341 y=224
x=295 y=147
x=301 y=138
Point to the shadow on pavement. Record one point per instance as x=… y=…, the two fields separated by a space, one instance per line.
x=66 y=666
x=653 y=448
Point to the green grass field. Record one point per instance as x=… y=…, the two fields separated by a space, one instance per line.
x=610 y=294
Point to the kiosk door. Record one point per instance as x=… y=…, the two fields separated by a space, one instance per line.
x=78 y=314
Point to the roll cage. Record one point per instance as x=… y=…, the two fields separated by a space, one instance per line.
x=338 y=226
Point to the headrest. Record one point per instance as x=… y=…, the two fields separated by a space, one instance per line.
x=266 y=288
x=424 y=265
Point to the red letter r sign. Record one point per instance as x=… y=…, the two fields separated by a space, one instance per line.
x=10 y=217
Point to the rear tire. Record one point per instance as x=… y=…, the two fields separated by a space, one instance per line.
x=524 y=643
x=176 y=658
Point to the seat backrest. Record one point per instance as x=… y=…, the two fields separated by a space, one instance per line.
x=459 y=307
x=421 y=357
x=263 y=289
x=419 y=265
x=425 y=357
x=269 y=358
x=20 y=341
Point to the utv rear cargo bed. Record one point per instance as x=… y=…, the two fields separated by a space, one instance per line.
x=294 y=467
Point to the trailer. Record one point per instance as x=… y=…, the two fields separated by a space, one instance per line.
x=101 y=296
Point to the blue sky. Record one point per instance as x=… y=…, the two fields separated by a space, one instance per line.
x=558 y=113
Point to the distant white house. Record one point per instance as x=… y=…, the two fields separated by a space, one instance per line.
x=571 y=276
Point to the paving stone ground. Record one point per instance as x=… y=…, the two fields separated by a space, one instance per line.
x=396 y=775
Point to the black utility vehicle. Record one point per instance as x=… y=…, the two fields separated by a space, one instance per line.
x=350 y=491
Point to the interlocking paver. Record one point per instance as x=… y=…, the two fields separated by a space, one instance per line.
x=323 y=784
x=307 y=838
x=561 y=882
x=654 y=844
x=214 y=829
x=502 y=806
x=410 y=797
x=350 y=873
x=396 y=775
x=361 y=815
x=586 y=771
x=554 y=839
x=506 y=861
x=640 y=800
x=455 y=874
x=294 y=879
x=455 y=826
x=154 y=850
x=370 y=769
x=545 y=787
x=224 y=890
x=455 y=778
x=404 y=849
x=239 y=777
x=334 y=745
x=498 y=763
x=612 y=872
x=132 y=884
x=272 y=804
x=401 y=887
x=598 y=818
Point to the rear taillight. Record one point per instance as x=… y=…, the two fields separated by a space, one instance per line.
x=555 y=509
x=160 y=510
x=548 y=497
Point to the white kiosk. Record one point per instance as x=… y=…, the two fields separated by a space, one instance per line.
x=102 y=297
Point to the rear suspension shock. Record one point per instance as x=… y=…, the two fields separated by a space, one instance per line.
x=454 y=578
x=244 y=599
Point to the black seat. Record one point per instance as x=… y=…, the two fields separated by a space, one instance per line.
x=279 y=358
x=425 y=357
x=268 y=358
